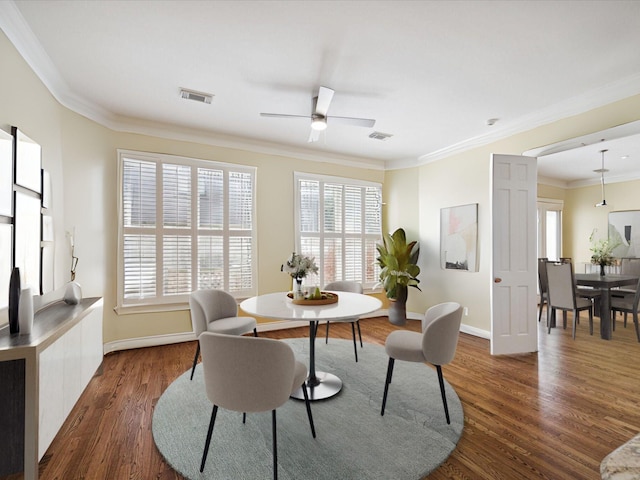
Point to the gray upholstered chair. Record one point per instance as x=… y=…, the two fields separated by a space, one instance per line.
x=627 y=304
x=628 y=266
x=542 y=283
x=353 y=287
x=563 y=296
x=436 y=344
x=217 y=311
x=246 y=374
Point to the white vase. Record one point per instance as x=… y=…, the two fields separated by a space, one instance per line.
x=72 y=293
x=25 y=311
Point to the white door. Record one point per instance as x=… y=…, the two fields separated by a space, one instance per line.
x=514 y=323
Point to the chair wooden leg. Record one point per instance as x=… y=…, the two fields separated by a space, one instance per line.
x=444 y=396
x=635 y=321
x=359 y=333
x=540 y=310
x=195 y=360
x=591 y=321
x=275 y=445
x=576 y=315
x=386 y=384
x=550 y=311
x=326 y=335
x=209 y=432
x=355 y=345
x=308 y=405
x=255 y=332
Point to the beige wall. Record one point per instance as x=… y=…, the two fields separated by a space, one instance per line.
x=464 y=178
x=81 y=157
x=581 y=217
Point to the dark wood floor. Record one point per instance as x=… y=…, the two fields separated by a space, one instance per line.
x=550 y=415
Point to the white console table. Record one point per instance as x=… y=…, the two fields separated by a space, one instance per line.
x=42 y=375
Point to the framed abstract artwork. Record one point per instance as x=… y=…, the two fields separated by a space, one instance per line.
x=624 y=231
x=28 y=161
x=459 y=238
x=27 y=239
x=6 y=173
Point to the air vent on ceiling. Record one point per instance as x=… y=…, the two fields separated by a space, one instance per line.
x=196 y=96
x=380 y=136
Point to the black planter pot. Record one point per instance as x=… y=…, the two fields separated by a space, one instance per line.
x=14 y=300
x=398 y=308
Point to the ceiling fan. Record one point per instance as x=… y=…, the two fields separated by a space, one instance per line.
x=319 y=108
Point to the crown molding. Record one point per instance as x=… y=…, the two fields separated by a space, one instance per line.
x=612 y=92
x=20 y=34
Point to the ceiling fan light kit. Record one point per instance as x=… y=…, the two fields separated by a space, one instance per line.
x=319 y=108
x=601 y=170
x=319 y=124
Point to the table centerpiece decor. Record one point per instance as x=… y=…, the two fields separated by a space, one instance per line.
x=298 y=267
x=602 y=252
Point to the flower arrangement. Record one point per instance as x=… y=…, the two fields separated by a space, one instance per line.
x=602 y=250
x=299 y=266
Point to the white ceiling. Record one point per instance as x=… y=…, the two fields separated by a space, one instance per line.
x=430 y=72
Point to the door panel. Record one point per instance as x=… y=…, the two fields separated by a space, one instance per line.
x=514 y=323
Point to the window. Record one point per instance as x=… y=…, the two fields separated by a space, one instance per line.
x=550 y=228
x=338 y=221
x=185 y=225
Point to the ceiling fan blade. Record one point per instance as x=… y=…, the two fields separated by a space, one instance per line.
x=282 y=115
x=314 y=136
x=356 y=122
x=325 y=95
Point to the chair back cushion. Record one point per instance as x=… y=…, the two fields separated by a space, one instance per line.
x=630 y=266
x=561 y=286
x=344 y=286
x=246 y=374
x=441 y=332
x=542 y=275
x=207 y=306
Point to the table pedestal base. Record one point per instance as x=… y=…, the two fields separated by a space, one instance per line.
x=325 y=385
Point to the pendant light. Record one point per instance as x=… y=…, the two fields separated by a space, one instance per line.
x=601 y=171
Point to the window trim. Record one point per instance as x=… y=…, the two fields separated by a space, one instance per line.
x=344 y=181
x=177 y=302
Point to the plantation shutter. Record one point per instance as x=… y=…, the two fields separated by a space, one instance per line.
x=205 y=236
x=339 y=223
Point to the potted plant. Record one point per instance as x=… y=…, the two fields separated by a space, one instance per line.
x=398 y=259
x=602 y=252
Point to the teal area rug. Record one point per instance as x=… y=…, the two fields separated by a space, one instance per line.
x=353 y=440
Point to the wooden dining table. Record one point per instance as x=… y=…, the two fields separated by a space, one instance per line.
x=605 y=283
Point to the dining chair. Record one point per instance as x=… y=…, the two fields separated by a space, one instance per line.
x=563 y=296
x=353 y=287
x=436 y=344
x=216 y=311
x=628 y=266
x=250 y=375
x=543 y=284
x=627 y=304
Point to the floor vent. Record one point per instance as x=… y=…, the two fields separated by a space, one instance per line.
x=196 y=96
x=380 y=136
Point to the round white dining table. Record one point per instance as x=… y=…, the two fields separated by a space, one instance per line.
x=320 y=385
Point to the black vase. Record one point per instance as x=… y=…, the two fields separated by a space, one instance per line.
x=14 y=300
x=397 y=312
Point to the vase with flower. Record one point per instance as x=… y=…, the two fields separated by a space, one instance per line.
x=602 y=252
x=298 y=267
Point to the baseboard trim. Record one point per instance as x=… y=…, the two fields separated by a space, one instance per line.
x=476 y=332
x=168 y=339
